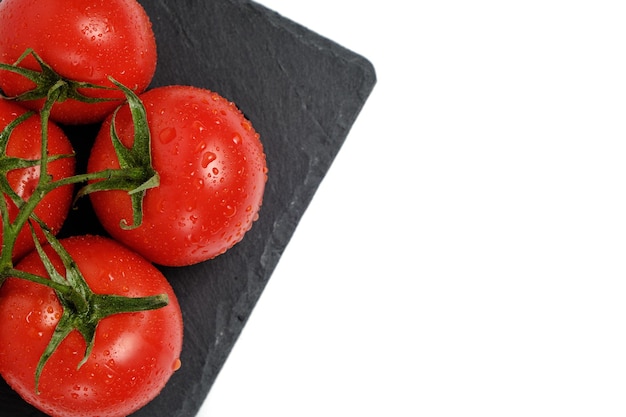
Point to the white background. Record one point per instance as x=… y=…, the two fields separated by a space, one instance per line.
x=465 y=254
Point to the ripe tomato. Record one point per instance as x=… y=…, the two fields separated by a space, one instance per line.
x=212 y=177
x=25 y=142
x=82 y=40
x=134 y=354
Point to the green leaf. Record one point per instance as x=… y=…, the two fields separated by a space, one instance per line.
x=62 y=330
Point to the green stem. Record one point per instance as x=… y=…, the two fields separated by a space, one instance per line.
x=9 y=163
x=122 y=175
x=11 y=230
x=17 y=273
x=107 y=305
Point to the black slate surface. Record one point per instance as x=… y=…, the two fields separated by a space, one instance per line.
x=302 y=92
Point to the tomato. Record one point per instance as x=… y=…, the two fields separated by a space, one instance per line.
x=82 y=40
x=134 y=354
x=25 y=142
x=212 y=171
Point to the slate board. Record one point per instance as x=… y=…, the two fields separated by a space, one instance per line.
x=302 y=92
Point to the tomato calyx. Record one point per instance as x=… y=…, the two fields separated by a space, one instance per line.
x=82 y=308
x=136 y=174
x=47 y=79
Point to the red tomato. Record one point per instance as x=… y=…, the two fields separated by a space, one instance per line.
x=82 y=40
x=212 y=177
x=25 y=142
x=134 y=354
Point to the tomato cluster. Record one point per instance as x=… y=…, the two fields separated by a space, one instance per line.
x=176 y=176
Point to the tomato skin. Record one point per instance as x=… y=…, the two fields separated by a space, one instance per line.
x=25 y=142
x=212 y=172
x=134 y=353
x=82 y=40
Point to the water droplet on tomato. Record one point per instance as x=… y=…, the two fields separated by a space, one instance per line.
x=237 y=139
x=246 y=125
x=200 y=147
x=167 y=135
x=215 y=171
x=198 y=125
x=230 y=211
x=176 y=365
x=207 y=158
x=162 y=206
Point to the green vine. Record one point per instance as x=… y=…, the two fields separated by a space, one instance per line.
x=82 y=308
